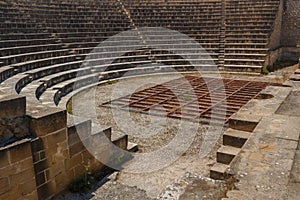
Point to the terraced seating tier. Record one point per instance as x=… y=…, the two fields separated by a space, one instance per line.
x=44 y=43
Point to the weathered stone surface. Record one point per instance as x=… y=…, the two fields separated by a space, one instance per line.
x=243 y=122
x=235 y=138
x=219 y=171
x=225 y=154
x=12 y=106
x=45 y=120
x=20 y=152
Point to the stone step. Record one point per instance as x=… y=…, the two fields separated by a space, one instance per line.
x=120 y=140
x=225 y=154
x=132 y=147
x=96 y=129
x=235 y=138
x=295 y=77
x=77 y=129
x=220 y=171
x=297 y=71
x=244 y=122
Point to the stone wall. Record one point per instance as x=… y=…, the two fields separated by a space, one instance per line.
x=274 y=40
x=291 y=29
x=17 y=176
x=291 y=23
x=48 y=159
x=274 y=44
x=13 y=122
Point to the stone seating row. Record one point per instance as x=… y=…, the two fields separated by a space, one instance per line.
x=35 y=55
x=39 y=68
x=213 y=47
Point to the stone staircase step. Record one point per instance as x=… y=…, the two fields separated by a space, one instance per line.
x=132 y=147
x=235 y=138
x=96 y=129
x=225 y=154
x=297 y=71
x=120 y=140
x=220 y=171
x=295 y=77
x=244 y=122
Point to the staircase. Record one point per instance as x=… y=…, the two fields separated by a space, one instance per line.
x=222 y=36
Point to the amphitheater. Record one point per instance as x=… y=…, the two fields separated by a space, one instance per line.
x=207 y=89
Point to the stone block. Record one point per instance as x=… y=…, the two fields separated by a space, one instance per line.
x=54 y=170
x=36 y=157
x=96 y=165
x=235 y=138
x=244 y=122
x=76 y=148
x=24 y=176
x=11 y=195
x=40 y=178
x=82 y=127
x=41 y=166
x=220 y=171
x=53 y=139
x=45 y=120
x=87 y=157
x=225 y=154
x=62 y=180
x=12 y=106
x=32 y=196
x=120 y=140
x=46 y=191
x=73 y=161
x=132 y=147
x=20 y=152
x=79 y=171
x=4 y=158
x=37 y=145
x=28 y=187
x=4 y=185
x=22 y=165
x=100 y=130
x=73 y=137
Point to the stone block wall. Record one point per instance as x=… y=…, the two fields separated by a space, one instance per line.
x=17 y=176
x=274 y=40
x=290 y=29
x=13 y=122
x=48 y=158
x=291 y=23
x=274 y=45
